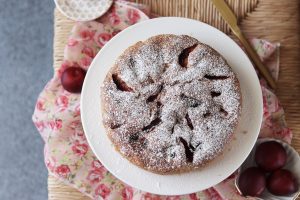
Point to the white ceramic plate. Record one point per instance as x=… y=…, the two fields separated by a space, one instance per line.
x=83 y=10
x=217 y=170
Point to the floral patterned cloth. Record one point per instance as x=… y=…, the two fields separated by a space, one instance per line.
x=57 y=113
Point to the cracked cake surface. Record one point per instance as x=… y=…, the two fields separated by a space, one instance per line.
x=170 y=103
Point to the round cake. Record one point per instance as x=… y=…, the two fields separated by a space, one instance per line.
x=170 y=104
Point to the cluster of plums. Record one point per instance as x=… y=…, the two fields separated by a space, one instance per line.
x=72 y=79
x=270 y=158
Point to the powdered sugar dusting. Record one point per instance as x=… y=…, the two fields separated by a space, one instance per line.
x=176 y=117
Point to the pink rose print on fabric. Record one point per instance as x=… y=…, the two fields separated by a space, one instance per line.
x=77 y=132
x=213 y=194
x=103 y=38
x=62 y=103
x=97 y=173
x=88 y=52
x=50 y=163
x=284 y=134
x=55 y=124
x=103 y=191
x=148 y=196
x=77 y=111
x=40 y=125
x=75 y=124
x=85 y=62
x=87 y=35
x=40 y=105
x=193 y=196
x=114 y=19
x=265 y=108
x=115 y=32
x=80 y=149
x=274 y=124
x=97 y=165
x=63 y=171
x=133 y=16
x=263 y=48
x=127 y=193
x=78 y=135
x=94 y=176
x=72 y=42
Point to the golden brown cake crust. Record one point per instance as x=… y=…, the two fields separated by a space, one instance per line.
x=170 y=104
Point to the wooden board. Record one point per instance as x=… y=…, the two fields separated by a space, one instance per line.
x=274 y=20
